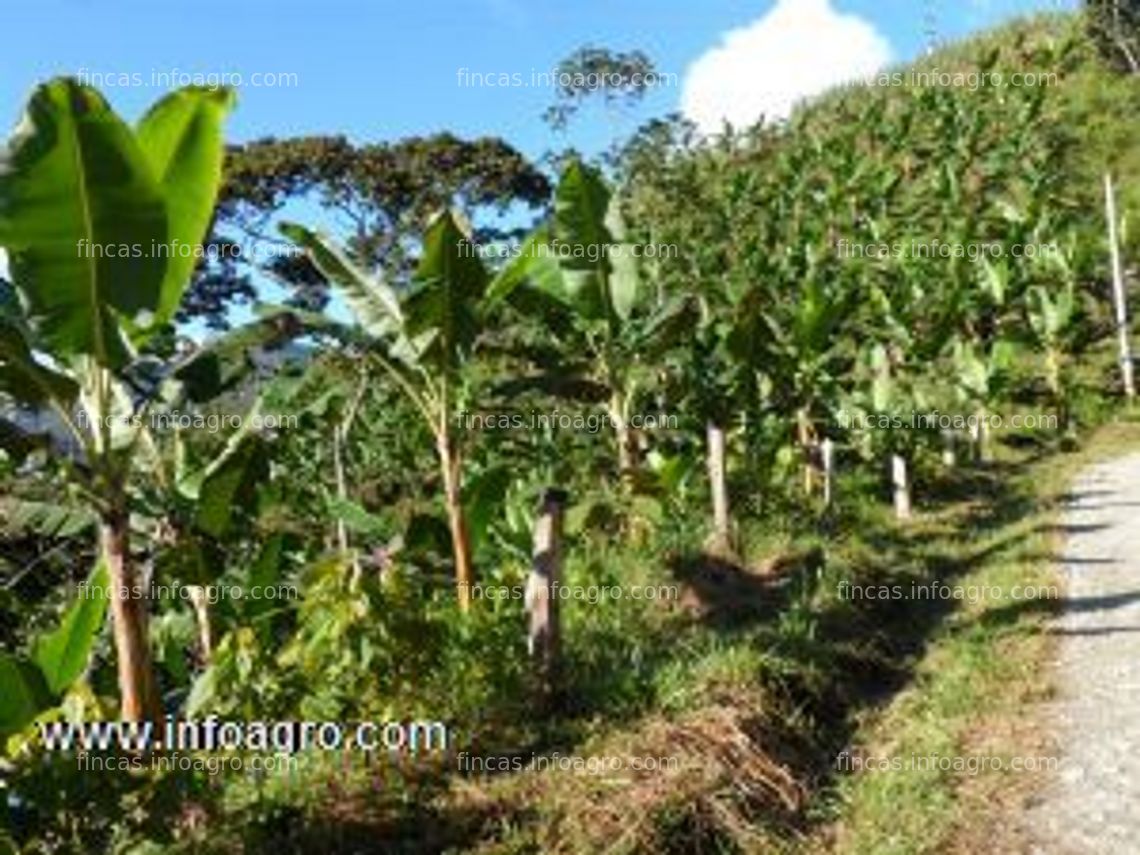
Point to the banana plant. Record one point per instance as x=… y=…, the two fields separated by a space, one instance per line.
x=86 y=204
x=980 y=377
x=803 y=359
x=1050 y=316
x=892 y=391
x=581 y=261
x=895 y=371
x=423 y=339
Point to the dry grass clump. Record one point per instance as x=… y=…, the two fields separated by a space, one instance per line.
x=717 y=779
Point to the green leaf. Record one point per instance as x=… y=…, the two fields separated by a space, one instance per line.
x=42 y=519
x=483 y=501
x=442 y=311
x=357 y=518
x=266 y=569
x=531 y=264
x=62 y=655
x=995 y=280
x=25 y=379
x=624 y=277
x=23 y=693
x=265 y=572
x=182 y=139
x=581 y=204
x=372 y=302
x=75 y=192
x=228 y=479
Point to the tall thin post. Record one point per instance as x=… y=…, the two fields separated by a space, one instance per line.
x=717 y=466
x=901 y=480
x=827 y=449
x=1118 y=290
x=542 y=590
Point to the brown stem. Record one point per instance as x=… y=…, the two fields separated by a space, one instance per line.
x=805 y=435
x=129 y=619
x=202 y=615
x=626 y=437
x=450 y=464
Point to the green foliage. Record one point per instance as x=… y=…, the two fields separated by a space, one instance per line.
x=86 y=207
x=29 y=687
x=102 y=193
x=62 y=655
x=25 y=693
x=389 y=189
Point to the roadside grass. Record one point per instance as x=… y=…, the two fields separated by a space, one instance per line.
x=761 y=720
x=983 y=670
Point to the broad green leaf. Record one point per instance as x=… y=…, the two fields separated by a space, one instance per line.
x=62 y=654
x=25 y=379
x=581 y=203
x=357 y=518
x=182 y=139
x=230 y=477
x=23 y=693
x=883 y=387
x=1002 y=356
x=373 y=303
x=995 y=279
x=532 y=264
x=266 y=569
x=20 y=518
x=265 y=572
x=483 y=501
x=623 y=276
x=80 y=212
x=442 y=310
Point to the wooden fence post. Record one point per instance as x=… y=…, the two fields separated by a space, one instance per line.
x=901 y=480
x=542 y=590
x=827 y=451
x=717 y=469
x=1118 y=290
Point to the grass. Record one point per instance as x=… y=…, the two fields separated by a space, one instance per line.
x=758 y=719
x=770 y=675
x=745 y=691
x=982 y=669
x=752 y=685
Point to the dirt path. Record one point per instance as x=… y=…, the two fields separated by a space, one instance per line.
x=1093 y=806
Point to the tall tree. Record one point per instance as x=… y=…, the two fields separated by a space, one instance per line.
x=377 y=196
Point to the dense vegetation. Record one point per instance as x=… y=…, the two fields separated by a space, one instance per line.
x=758 y=343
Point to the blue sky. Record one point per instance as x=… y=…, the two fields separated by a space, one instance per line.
x=382 y=69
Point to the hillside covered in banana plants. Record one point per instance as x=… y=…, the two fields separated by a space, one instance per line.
x=516 y=505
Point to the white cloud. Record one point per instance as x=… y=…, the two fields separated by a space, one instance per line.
x=800 y=48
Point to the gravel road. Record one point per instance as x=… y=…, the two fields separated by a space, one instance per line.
x=1093 y=805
